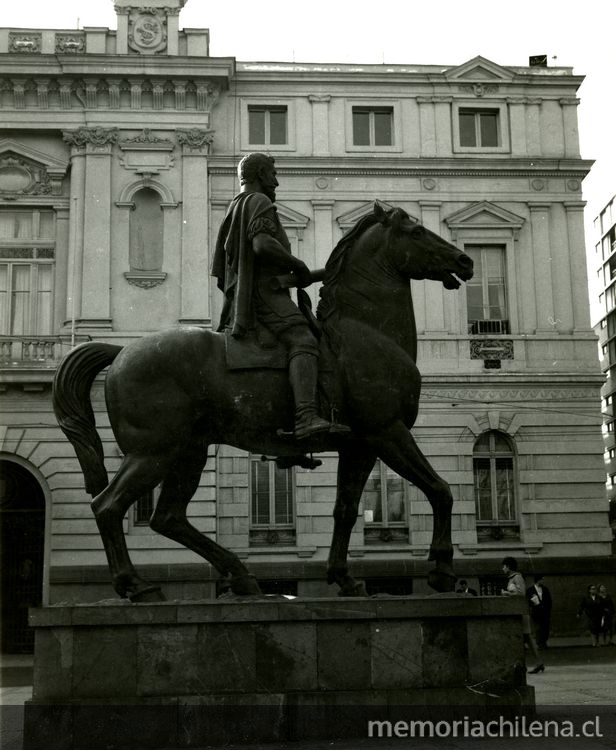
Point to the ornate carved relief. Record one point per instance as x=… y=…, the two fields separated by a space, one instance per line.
x=195 y=139
x=478 y=89
x=146 y=153
x=97 y=137
x=145 y=279
x=21 y=177
x=491 y=348
x=147 y=31
x=70 y=43
x=25 y=42
x=487 y=395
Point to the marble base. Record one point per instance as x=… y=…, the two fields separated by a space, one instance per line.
x=190 y=674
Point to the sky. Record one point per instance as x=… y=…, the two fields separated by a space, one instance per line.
x=579 y=35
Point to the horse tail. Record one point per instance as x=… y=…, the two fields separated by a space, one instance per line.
x=73 y=407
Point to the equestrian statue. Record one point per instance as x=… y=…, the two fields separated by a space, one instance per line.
x=273 y=380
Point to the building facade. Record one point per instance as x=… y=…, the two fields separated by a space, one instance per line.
x=118 y=152
x=605 y=255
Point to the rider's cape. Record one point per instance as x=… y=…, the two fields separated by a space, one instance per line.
x=233 y=263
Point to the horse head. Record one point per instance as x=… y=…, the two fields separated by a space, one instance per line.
x=417 y=253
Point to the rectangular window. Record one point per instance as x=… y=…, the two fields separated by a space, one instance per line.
x=26 y=272
x=486 y=292
x=143 y=509
x=373 y=126
x=267 y=126
x=272 y=511
x=384 y=504
x=479 y=128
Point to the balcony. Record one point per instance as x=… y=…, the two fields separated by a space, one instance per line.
x=488 y=327
x=35 y=352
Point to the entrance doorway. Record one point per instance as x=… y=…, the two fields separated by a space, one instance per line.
x=22 y=544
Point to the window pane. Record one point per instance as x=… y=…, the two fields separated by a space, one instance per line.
x=20 y=301
x=256 y=126
x=382 y=129
x=371 y=497
x=7 y=225
x=283 y=496
x=489 y=128
x=44 y=299
x=483 y=489
x=4 y=293
x=260 y=492
x=361 y=128
x=504 y=489
x=278 y=126
x=396 y=512
x=474 y=301
x=46 y=228
x=467 y=129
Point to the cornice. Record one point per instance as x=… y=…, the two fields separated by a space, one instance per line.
x=461 y=167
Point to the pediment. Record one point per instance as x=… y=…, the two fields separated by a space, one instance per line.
x=289 y=218
x=26 y=171
x=484 y=215
x=32 y=155
x=349 y=219
x=479 y=69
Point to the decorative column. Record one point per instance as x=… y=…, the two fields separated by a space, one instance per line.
x=570 y=127
x=533 y=127
x=60 y=313
x=442 y=114
x=577 y=262
x=195 y=254
x=320 y=125
x=435 y=299
x=75 y=237
x=426 y=125
x=517 y=109
x=542 y=266
x=323 y=238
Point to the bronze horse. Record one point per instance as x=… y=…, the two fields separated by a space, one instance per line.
x=169 y=396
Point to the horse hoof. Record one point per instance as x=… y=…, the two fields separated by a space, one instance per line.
x=441 y=581
x=245 y=585
x=148 y=594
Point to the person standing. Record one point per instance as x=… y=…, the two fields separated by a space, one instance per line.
x=517 y=587
x=607 y=619
x=540 y=606
x=464 y=588
x=592 y=607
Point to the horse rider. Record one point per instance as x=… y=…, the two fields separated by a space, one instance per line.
x=252 y=247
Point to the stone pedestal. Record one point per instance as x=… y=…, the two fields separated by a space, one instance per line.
x=181 y=675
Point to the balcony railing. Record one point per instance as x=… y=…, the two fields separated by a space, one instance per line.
x=35 y=351
x=490 y=327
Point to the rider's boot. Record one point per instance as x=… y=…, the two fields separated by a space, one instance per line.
x=303 y=372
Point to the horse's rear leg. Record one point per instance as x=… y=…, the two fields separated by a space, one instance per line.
x=136 y=475
x=354 y=467
x=400 y=452
x=169 y=519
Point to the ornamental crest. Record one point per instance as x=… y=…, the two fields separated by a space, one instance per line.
x=147 y=32
x=21 y=177
x=97 y=137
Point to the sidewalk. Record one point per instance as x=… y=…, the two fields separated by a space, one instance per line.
x=577 y=679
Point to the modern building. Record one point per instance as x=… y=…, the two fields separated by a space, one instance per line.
x=118 y=151
x=605 y=254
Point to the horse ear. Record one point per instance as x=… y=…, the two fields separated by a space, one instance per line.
x=380 y=211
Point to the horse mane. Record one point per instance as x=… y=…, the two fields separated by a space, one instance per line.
x=335 y=264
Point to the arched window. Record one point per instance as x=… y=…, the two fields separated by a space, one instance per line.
x=495 y=493
x=146 y=232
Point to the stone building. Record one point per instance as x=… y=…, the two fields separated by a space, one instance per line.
x=117 y=160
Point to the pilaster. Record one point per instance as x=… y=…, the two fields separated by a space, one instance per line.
x=435 y=299
x=320 y=124
x=577 y=261
x=570 y=127
x=542 y=264
x=427 y=126
x=195 y=260
x=533 y=127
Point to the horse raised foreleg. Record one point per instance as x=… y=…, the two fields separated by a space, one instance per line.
x=399 y=450
x=354 y=467
x=169 y=519
x=137 y=474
